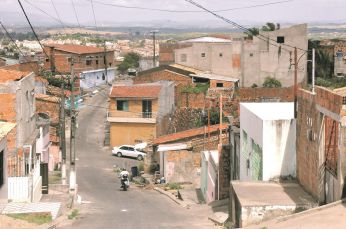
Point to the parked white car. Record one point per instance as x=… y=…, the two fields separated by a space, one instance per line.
x=129 y=151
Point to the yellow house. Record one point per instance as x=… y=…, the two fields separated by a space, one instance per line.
x=133 y=113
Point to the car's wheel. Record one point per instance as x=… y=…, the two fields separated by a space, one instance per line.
x=139 y=157
x=119 y=154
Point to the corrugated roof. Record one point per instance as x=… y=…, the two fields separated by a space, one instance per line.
x=187 y=134
x=135 y=91
x=5 y=128
x=78 y=49
x=186 y=68
x=212 y=76
x=207 y=40
x=11 y=75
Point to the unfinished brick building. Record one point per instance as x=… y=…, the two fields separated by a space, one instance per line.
x=321 y=160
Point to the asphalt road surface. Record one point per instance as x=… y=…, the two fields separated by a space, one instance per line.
x=104 y=205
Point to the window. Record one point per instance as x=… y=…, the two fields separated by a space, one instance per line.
x=97 y=61
x=280 y=39
x=69 y=59
x=103 y=76
x=183 y=57
x=219 y=84
x=88 y=62
x=220 y=54
x=202 y=54
x=122 y=105
x=146 y=109
x=110 y=64
x=47 y=60
x=251 y=54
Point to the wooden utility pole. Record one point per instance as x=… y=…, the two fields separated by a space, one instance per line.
x=73 y=133
x=62 y=135
x=105 y=60
x=154 y=48
x=295 y=81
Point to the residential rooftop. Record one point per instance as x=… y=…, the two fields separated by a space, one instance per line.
x=135 y=91
x=77 y=49
x=188 y=134
x=11 y=75
x=207 y=40
x=271 y=111
x=5 y=128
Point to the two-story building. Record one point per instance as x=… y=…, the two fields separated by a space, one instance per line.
x=85 y=58
x=136 y=111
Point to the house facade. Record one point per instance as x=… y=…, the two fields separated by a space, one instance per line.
x=249 y=61
x=94 y=78
x=135 y=111
x=321 y=161
x=267 y=141
x=86 y=58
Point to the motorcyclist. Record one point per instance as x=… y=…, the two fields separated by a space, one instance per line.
x=123 y=176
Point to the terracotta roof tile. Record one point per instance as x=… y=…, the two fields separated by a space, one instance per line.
x=135 y=91
x=11 y=75
x=187 y=134
x=78 y=49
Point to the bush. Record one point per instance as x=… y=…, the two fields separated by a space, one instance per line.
x=271 y=82
x=198 y=88
x=254 y=85
x=335 y=82
x=174 y=186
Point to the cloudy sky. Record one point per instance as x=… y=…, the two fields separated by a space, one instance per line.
x=281 y=11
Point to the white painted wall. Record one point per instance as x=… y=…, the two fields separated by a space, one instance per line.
x=90 y=79
x=270 y=126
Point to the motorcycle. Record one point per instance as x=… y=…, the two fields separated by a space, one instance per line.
x=125 y=182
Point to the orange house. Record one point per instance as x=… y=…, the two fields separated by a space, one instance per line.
x=133 y=111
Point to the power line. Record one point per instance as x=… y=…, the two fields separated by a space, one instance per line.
x=92 y=7
x=44 y=12
x=56 y=11
x=32 y=28
x=75 y=12
x=188 y=11
x=260 y=36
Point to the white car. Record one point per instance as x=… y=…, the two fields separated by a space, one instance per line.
x=129 y=151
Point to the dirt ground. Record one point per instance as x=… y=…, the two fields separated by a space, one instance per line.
x=8 y=223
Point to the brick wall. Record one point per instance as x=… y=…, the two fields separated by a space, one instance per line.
x=166 y=55
x=310 y=137
x=8 y=107
x=62 y=64
x=50 y=108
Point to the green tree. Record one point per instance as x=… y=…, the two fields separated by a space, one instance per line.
x=269 y=26
x=271 y=82
x=131 y=60
x=252 y=32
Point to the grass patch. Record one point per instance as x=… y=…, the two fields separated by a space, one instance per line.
x=174 y=186
x=36 y=218
x=73 y=214
x=196 y=89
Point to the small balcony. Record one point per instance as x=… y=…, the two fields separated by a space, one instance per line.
x=131 y=117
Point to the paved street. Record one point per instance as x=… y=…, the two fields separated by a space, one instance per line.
x=105 y=205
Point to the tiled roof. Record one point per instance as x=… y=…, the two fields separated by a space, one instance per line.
x=5 y=128
x=186 y=68
x=135 y=91
x=78 y=49
x=186 y=134
x=11 y=75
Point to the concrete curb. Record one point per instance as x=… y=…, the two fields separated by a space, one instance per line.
x=172 y=197
x=60 y=219
x=316 y=209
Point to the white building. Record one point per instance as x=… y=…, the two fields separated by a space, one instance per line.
x=267 y=141
x=94 y=78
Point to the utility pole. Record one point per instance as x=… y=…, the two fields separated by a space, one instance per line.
x=154 y=48
x=105 y=60
x=73 y=133
x=313 y=71
x=295 y=81
x=62 y=135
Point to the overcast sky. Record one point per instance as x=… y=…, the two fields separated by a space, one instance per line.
x=293 y=11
